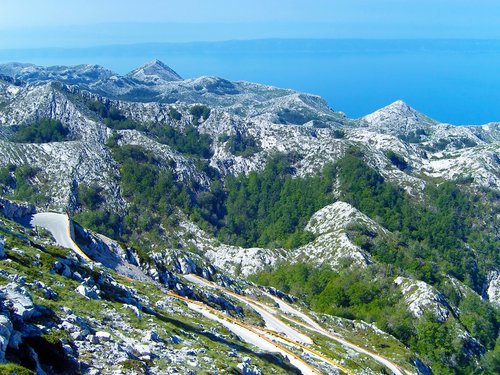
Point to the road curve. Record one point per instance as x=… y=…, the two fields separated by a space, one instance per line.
x=59 y=226
x=312 y=325
x=251 y=336
x=309 y=323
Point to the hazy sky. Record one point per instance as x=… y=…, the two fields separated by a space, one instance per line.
x=65 y=23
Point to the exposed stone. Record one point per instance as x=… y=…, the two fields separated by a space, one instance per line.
x=6 y=330
x=151 y=336
x=103 y=336
x=19 y=297
x=2 y=247
x=421 y=297
x=92 y=293
x=14 y=210
x=493 y=287
x=15 y=340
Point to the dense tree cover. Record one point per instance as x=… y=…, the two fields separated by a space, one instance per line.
x=370 y=295
x=187 y=141
x=43 y=131
x=90 y=196
x=198 y=112
x=271 y=208
x=154 y=193
x=397 y=160
x=7 y=180
x=17 y=183
x=338 y=133
x=92 y=215
x=102 y=221
x=113 y=118
x=429 y=237
x=174 y=114
x=241 y=145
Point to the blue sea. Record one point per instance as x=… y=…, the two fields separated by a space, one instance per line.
x=454 y=81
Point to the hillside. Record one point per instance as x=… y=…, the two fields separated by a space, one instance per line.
x=383 y=229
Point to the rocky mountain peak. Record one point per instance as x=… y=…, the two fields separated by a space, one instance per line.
x=154 y=71
x=398 y=116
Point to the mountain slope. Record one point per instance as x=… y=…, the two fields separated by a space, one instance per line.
x=391 y=218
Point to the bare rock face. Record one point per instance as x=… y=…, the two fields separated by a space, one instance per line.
x=154 y=72
x=2 y=247
x=20 y=300
x=389 y=118
x=332 y=245
x=421 y=297
x=14 y=210
x=493 y=289
x=6 y=330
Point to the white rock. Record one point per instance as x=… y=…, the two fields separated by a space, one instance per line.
x=421 y=297
x=143 y=349
x=2 y=247
x=493 y=290
x=103 y=335
x=6 y=330
x=20 y=298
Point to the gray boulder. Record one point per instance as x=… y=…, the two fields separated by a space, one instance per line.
x=2 y=247
x=6 y=330
x=20 y=300
x=92 y=293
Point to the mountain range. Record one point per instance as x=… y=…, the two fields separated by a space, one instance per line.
x=383 y=228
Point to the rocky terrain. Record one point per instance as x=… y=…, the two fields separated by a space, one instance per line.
x=114 y=314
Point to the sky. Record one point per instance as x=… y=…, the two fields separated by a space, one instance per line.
x=65 y=23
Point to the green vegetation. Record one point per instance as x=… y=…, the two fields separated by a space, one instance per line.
x=414 y=136
x=17 y=183
x=240 y=145
x=42 y=131
x=296 y=117
x=107 y=311
x=189 y=141
x=370 y=295
x=153 y=192
x=271 y=208
x=174 y=114
x=199 y=112
x=14 y=369
x=429 y=239
x=113 y=118
x=90 y=196
x=398 y=161
x=7 y=180
x=338 y=134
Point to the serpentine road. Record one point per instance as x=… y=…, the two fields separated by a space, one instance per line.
x=278 y=325
x=60 y=227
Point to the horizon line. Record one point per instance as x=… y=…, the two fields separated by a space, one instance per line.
x=270 y=39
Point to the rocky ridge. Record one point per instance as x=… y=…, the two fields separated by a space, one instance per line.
x=280 y=121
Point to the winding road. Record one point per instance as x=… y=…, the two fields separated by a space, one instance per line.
x=292 y=335
x=270 y=339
